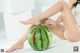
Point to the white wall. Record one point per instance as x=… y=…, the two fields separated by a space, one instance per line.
x=12 y=6
x=21 y=5
x=14 y=28
x=2 y=5
x=16 y=10
x=2 y=27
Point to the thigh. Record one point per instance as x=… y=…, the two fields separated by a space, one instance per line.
x=58 y=30
x=69 y=21
x=71 y=28
x=68 y=18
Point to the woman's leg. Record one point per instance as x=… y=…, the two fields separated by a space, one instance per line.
x=19 y=44
x=59 y=19
x=57 y=29
x=72 y=31
x=51 y=11
x=70 y=25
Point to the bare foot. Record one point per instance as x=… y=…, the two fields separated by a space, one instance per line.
x=33 y=21
x=15 y=47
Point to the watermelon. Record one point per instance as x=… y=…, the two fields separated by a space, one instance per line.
x=40 y=37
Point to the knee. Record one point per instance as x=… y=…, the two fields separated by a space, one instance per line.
x=73 y=39
x=62 y=2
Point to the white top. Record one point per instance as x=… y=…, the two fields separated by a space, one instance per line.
x=76 y=11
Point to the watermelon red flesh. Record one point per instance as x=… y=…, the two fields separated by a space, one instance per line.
x=40 y=38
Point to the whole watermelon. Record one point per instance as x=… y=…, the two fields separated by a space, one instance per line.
x=40 y=37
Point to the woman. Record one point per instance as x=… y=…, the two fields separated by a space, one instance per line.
x=70 y=31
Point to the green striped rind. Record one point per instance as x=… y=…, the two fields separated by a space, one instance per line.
x=38 y=39
x=42 y=37
x=31 y=33
x=49 y=34
x=30 y=38
x=45 y=40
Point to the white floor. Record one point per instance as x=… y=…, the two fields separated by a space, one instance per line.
x=58 y=46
